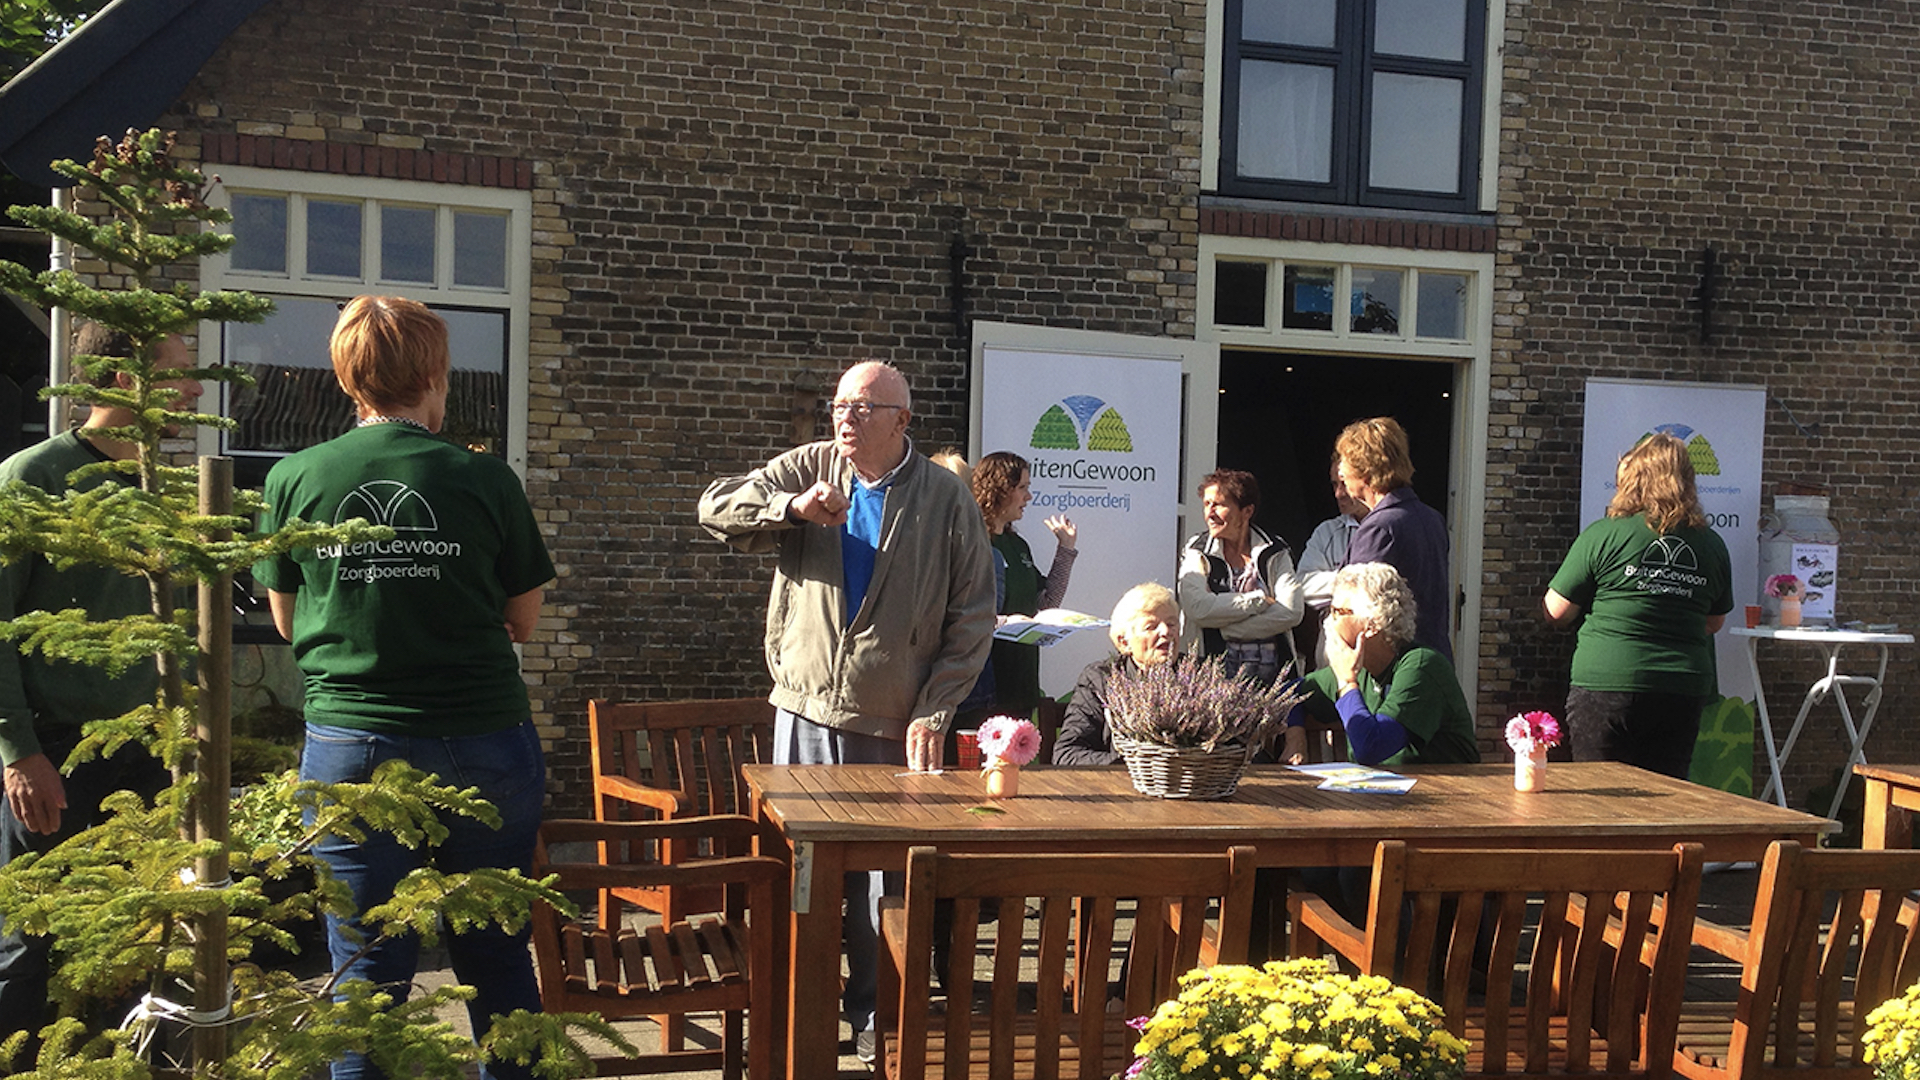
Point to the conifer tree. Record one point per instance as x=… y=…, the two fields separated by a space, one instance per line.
x=121 y=901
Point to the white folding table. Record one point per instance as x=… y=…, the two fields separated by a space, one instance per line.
x=1833 y=682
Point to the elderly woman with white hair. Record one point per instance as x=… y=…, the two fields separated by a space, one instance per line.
x=1145 y=632
x=1399 y=702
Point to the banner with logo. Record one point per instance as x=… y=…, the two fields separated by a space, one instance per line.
x=1103 y=435
x=1724 y=428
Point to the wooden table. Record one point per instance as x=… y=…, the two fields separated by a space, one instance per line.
x=834 y=819
x=1828 y=641
x=1893 y=794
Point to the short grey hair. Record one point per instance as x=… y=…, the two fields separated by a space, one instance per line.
x=1144 y=597
x=1390 y=606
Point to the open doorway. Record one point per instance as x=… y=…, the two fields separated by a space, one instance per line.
x=1280 y=412
x=1279 y=415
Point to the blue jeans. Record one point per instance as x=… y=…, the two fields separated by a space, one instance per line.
x=799 y=741
x=508 y=769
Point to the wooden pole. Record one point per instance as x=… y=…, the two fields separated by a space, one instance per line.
x=213 y=767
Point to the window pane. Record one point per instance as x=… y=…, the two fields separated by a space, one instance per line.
x=1307 y=298
x=1375 y=302
x=480 y=250
x=333 y=238
x=1289 y=22
x=1239 y=294
x=1443 y=306
x=260 y=233
x=406 y=243
x=1431 y=28
x=294 y=402
x=477 y=397
x=1415 y=142
x=1286 y=121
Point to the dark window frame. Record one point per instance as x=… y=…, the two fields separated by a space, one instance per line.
x=1354 y=64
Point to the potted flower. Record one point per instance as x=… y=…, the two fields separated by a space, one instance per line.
x=1531 y=735
x=1787 y=589
x=1892 y=1042
x=1295 y=1020
x=1006 y=743
x=1188 y=729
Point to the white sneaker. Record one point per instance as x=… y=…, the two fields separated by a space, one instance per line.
x=863 y=1047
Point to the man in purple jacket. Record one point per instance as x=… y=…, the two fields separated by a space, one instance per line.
x=1377 y=468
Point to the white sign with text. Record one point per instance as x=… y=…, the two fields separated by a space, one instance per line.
x=1103 y=435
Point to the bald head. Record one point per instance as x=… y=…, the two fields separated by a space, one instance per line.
x=870 y=412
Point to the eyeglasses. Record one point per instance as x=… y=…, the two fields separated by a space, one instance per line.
x=859 y=410
x=1339 y=611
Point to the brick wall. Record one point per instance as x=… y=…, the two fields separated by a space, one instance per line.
x=732 y=202
x=1635 y=135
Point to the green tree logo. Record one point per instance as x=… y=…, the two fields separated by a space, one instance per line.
x=1699 y=450
x=1063 y=426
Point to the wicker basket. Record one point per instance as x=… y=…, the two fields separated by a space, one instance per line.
x=1182 y=772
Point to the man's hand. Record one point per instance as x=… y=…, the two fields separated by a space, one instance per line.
x=821 y=504
x=925 y=747
x=35 y=793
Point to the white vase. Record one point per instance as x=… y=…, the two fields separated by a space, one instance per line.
x=1530 y=769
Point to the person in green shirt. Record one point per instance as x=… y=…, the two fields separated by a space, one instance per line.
x=406 y=644
x=1000 y=484
x=1400 y=703
x=1648 y=585
x=43 y=702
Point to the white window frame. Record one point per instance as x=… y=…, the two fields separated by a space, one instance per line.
x=1213 y=110
x=515 y=299
x=1471 y=358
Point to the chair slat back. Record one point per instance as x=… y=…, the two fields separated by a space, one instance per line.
x=718 y=962
x=695 y=748
x=1464 y=910
x=1832 y=938
x=1048 y=1017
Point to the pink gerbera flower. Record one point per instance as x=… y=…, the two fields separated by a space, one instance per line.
x=1008 y=739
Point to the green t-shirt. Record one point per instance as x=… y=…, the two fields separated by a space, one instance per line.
x=1645 y=599
x=44 y=700
x=1016 y=667
x=409 y=634
x=1419 y=691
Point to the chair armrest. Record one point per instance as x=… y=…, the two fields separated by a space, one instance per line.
x=1730 y=942
x=893 y=929
x=744 y=869
x=715 y=826
x=665 y=800
x=1316 y=915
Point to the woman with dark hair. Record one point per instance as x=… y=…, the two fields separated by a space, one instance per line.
x=407 y=645
x=1237 y=584
x=1649 y=585
x=1001 y=485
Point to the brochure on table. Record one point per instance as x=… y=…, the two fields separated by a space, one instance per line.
x=1365 y=779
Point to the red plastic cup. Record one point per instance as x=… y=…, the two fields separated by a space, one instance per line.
x=1753 y=616
x=969 y=749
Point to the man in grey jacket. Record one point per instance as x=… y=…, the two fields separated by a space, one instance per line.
x=882 y=606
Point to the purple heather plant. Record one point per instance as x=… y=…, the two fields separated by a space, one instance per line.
x=1194 y=703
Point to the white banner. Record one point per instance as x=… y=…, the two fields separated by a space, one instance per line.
x=1103 y=435
x=1724 y=428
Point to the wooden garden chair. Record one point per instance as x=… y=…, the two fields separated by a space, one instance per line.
x=1832 y=938
x=1040 y=1019
x=720 y=962
x=1585 y=1007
